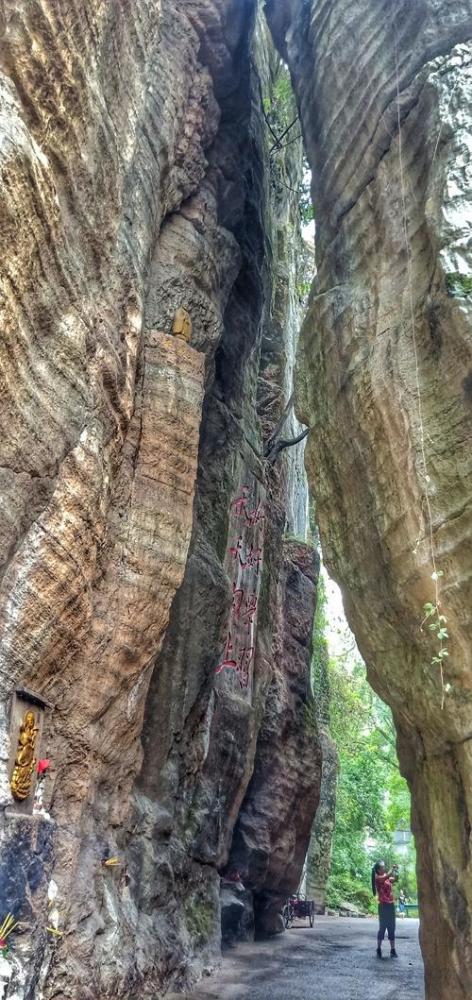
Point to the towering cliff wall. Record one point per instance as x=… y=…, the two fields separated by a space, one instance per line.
x=146 y=571
x=385 y=377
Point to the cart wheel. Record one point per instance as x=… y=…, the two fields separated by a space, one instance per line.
x=312 y=915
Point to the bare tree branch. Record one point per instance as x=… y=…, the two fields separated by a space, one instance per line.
x=279 y=147
x=283 y=134
x=279 y=446
x=279 y=424
x=261 y=103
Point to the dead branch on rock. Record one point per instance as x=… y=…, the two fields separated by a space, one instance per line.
x=277 y=143
x=281 y=444
x=279 y=425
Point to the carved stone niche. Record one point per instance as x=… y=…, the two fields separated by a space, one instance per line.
x=26 y=727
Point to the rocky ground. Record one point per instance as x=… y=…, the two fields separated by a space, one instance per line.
x=334 y=961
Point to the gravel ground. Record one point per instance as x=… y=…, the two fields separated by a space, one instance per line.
x=334 y=961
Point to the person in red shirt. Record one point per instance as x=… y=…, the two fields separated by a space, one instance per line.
x=382 y=882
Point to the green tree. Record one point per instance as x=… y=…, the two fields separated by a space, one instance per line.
x=281 y=116
x=373 y=799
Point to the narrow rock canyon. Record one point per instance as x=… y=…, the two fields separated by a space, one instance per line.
x=158 y=579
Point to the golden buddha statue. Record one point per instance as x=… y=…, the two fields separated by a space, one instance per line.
x=25 y=760
x=182 y=325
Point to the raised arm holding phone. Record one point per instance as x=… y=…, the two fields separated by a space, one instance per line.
x=382 y=882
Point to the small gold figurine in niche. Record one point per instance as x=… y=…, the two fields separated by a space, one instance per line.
x=182 y=325
x=25 y=760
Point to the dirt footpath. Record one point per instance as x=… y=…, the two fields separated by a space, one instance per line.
x=334 y=961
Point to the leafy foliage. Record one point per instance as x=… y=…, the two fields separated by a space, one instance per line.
x=281 y=108
x=437 y=625
x=281 y=115
x=373 y=799
x=459 y=285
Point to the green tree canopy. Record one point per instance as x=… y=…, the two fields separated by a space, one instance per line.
x=373 y=799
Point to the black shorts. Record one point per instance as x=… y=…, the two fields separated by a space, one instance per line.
x=387 y=920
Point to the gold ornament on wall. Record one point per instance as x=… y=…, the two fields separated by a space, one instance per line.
x=25 y=759
x=182 y=325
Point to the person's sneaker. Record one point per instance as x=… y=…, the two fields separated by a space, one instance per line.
x=379 y=953
x=393 y=953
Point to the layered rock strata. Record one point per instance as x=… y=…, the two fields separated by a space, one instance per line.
x=141 y=525
x=222 y=691
x=384 y=375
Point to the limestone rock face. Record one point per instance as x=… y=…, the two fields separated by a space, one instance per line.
x=141 y=525
x=220 y=689
x=384 y=376
x=275 y=819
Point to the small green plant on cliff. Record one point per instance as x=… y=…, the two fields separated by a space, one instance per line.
x=437 y=624
x=280 y=108
x=303 y=289
x=200 y=919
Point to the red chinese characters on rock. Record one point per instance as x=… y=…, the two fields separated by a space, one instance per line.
x=243 y=668
x=243 y=610
x=241 y=665
x=241 y=505
x=246 y=557
x=227 y=660
x=244 y=563
x=250 y=608
x=238 y=598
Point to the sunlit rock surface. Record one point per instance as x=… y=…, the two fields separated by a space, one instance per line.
x=135 y=180
x=385 y=379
